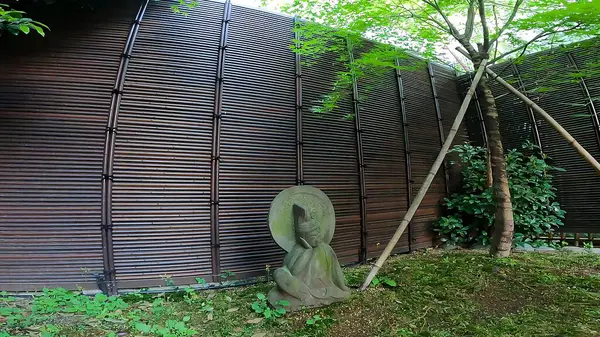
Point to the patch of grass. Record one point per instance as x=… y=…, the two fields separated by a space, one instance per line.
x=437 y=294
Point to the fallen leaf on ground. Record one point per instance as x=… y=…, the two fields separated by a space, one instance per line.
x=254 y=320
x=233 y=309
x=260 y=334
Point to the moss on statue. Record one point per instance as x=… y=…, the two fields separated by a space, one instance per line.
x=311 y=274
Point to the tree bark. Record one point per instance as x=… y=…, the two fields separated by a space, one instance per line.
x=503 y=223
x=490 y=179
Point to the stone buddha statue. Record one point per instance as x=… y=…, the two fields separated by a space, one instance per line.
x=311 y=274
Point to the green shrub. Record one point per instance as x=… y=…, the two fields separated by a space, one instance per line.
x=471 y=211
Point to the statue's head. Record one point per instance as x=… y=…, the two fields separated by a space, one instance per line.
x=305 y=227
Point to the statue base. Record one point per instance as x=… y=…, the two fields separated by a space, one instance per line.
x=275 y=295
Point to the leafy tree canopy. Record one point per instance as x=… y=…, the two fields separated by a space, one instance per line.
x=509 y=29
x=15 y=22
x=428 y=26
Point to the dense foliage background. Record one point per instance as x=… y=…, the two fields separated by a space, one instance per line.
x=471 y=211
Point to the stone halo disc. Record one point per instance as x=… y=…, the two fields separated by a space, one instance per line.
x=281 y=219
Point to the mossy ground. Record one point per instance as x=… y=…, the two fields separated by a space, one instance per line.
x=438 y=293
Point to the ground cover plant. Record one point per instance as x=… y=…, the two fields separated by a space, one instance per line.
x=436 y=293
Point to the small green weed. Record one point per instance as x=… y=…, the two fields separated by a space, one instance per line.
x=50 y=330
x=12 y=315
x=159 y=308
x=190 y=295
x=409 y=333
x=506 y=262
x=160 y=322
x=384 y=280
x=355 y=277
x=548 y=278
x=168 y=280
x=262 y=307
x=5 y=298
x=172 y=328
x=226 y=274
x=207 y=306
x=317 y=325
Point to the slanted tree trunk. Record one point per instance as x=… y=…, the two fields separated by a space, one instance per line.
x=503 y=223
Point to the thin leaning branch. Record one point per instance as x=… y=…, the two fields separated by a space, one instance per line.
x=452 y=29
x=496 y=3
x=439 y=24
x=470 y=21
x=514 y=12
x=524 y=47
x=431 y=22
x=484 y=26
x=495 y=41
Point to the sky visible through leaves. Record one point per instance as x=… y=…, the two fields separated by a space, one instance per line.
x=442 y=53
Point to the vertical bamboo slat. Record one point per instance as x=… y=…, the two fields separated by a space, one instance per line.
x=109 y=151
x=216 y=144
x=361 y=162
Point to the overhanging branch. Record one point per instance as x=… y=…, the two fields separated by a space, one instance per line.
x=452 y=29
x=432 y=22
x=514 y=12
x=451 y=26
x=541 y=35
x=470 y=21
x=495 y=41
x=486 y=31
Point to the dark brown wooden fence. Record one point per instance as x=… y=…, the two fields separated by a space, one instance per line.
x=574 y=103
x=137 y=143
